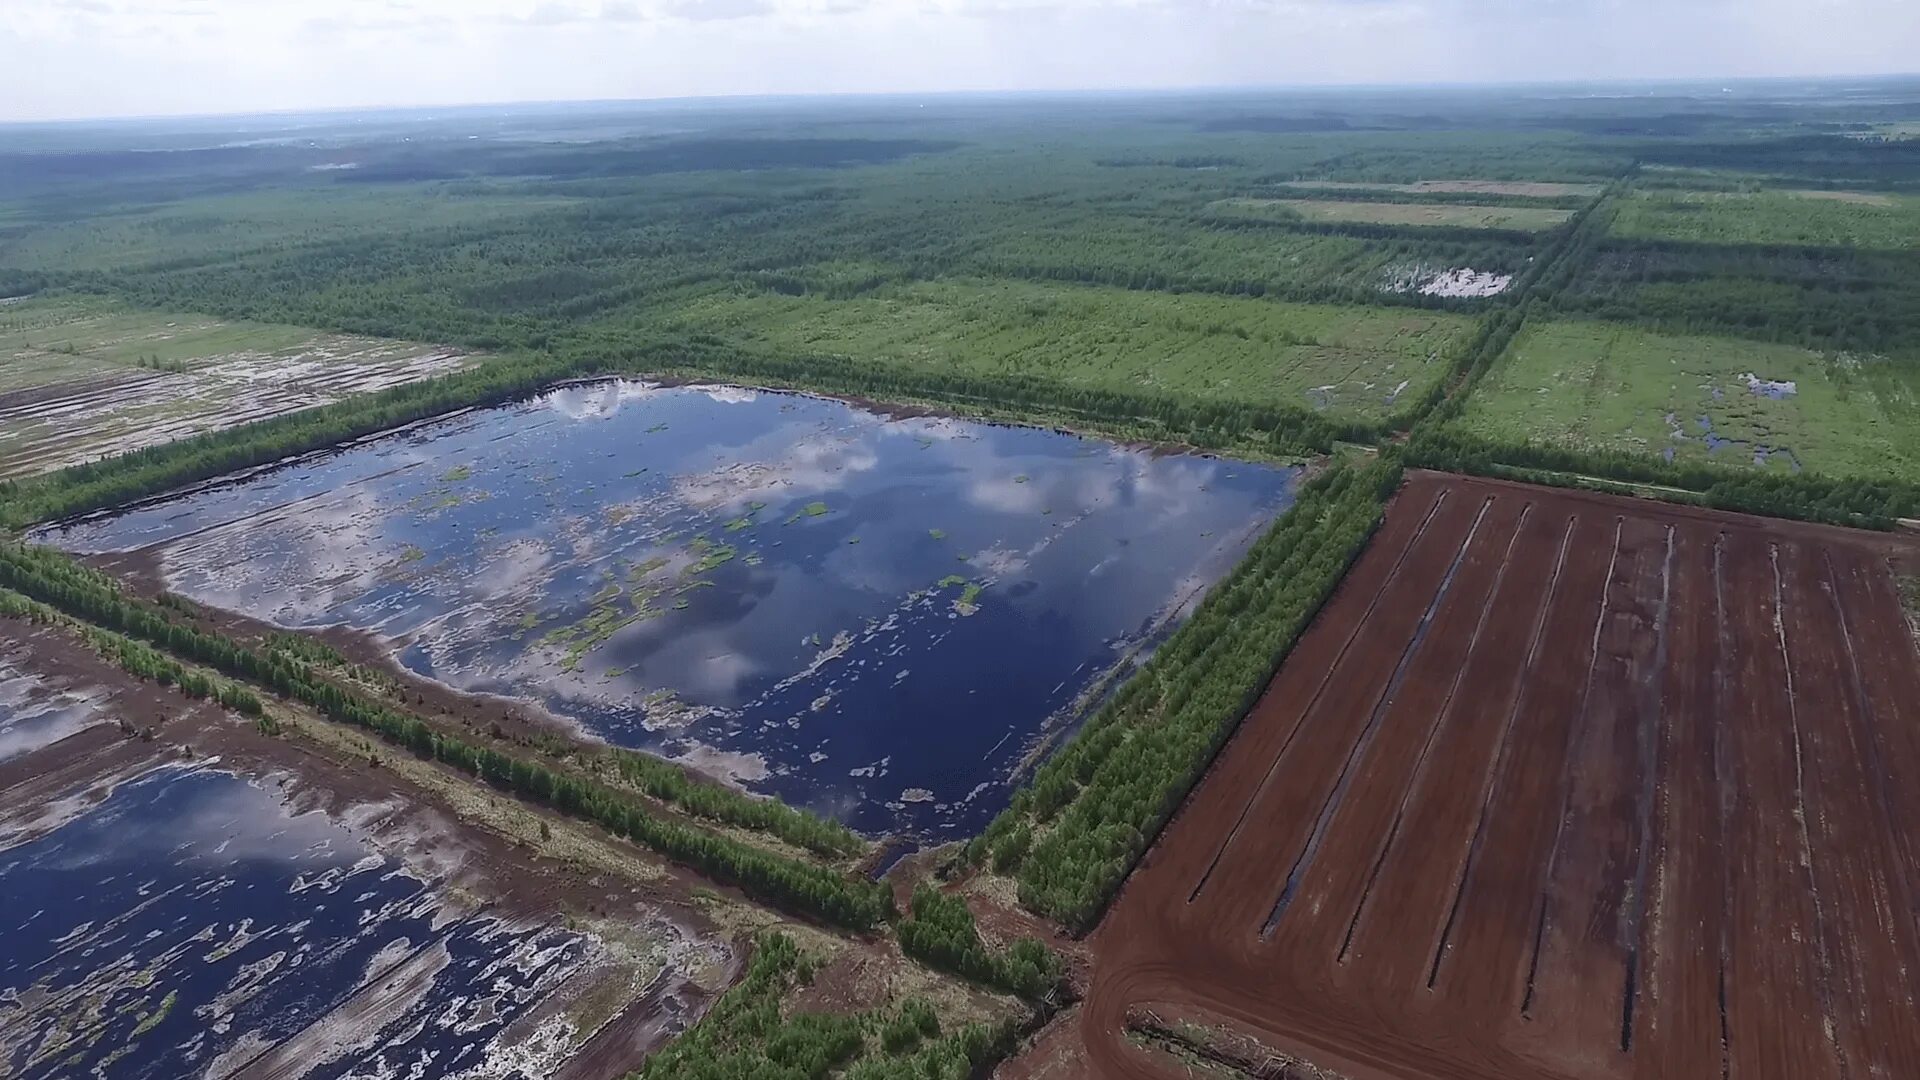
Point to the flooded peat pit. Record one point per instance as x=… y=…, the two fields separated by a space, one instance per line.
x=192 y=925
x=34 y=715
x=874 y=617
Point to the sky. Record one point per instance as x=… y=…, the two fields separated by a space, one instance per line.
x=63 y=59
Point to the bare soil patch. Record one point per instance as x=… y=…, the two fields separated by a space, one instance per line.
x=1450 y=215
x=1529 y=189
x=1560 y=786
x=1858 y=198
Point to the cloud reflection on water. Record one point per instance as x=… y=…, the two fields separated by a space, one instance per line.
x=666 y=566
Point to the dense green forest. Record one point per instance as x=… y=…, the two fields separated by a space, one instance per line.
x=1838 y=298
x=652 y=250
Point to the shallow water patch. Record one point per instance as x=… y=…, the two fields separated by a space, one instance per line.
x=190 y=924
x=34 y=714
x=1763 y=453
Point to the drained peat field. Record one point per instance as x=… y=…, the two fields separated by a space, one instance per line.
x=188 y=896
x=193 y=922
x=83 y=380
x=1558 y=786
x=877 y=617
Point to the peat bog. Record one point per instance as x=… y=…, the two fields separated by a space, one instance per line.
x=194 y=923
x=876 y=617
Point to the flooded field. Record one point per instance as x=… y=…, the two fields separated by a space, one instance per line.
x=193 y=924
x=35 y=714
x=876 y=617
x=81 y=380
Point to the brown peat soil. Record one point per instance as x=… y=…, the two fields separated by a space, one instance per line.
x=1559 y=786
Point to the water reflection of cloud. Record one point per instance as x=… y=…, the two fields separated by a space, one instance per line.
x=729 y=766
x=518 y=563
x=34 y=714
x=719 y=676
x=1064 y=491
x=224 y=820
x=775 y=467
x=731 y=395
x=711 y=663
x=1171 y=484
x=597 y=401
x=43 y=725
x=1003 y=495
x=1156 y=488
x=1129 y=536
x=1001 y=562
x=292 y=568
x=933 y=428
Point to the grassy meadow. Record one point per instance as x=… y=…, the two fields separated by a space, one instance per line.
x=1353 y=361
x=1593 y=385
x=1813 y=218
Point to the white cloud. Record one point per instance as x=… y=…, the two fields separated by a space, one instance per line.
x=169 y=56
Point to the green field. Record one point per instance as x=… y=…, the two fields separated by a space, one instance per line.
x=1454 y=215
x=1596 y=385
x=1162 y=253
x=1352 y=361
x=1838 y=219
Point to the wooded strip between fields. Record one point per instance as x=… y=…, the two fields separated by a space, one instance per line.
x=789 y=883
x=1094 y=808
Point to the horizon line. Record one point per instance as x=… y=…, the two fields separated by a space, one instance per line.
x=1205 y=89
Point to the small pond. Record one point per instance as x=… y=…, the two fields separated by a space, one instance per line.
x=873 y=616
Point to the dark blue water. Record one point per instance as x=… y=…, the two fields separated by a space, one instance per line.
x=189 y=920
x=876 y=618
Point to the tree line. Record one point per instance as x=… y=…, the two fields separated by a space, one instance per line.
x=1817 y=298
x=784 y=882
x=748 y=1036
x=670 y=783
x=1814 y=157
x=1074 y=833
x=1859 y=502
x=135 y=658
x=1142 y=413
x=940 y=932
